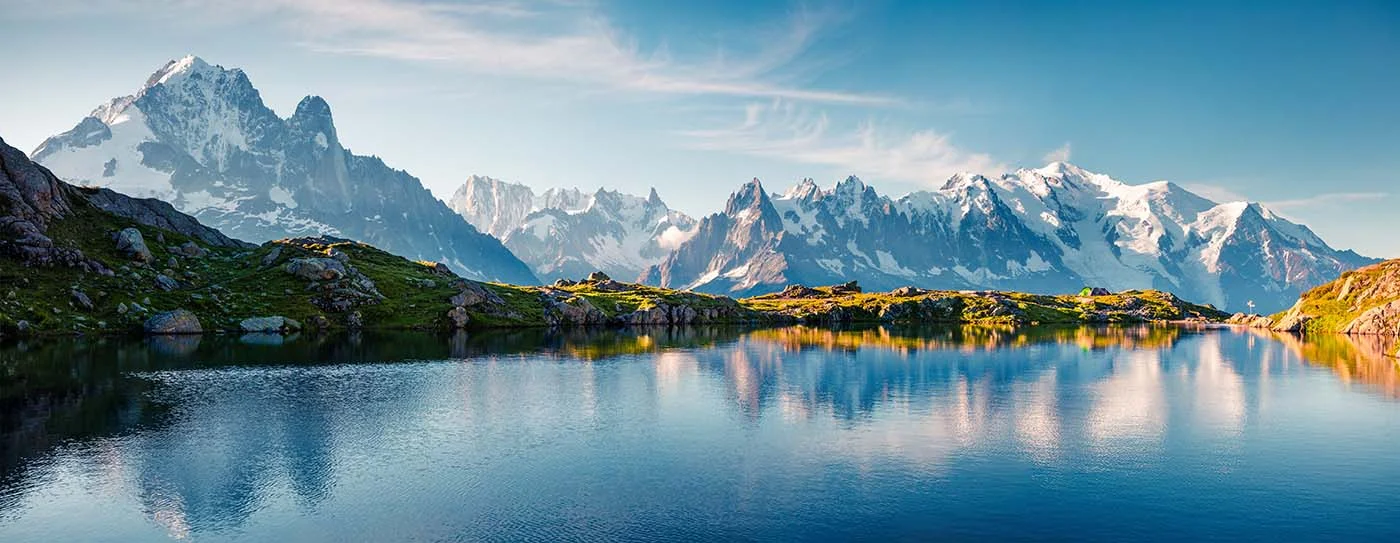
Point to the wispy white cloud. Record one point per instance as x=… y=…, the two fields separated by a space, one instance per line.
x=1060 y=154
x=1222 y=194
x=789 y=131
x=1216 y=193
x=558 y=40
x=1325 y=199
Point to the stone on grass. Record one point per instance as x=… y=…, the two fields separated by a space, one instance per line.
x=179 y=321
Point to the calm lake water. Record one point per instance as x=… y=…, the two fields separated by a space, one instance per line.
x=796 y=434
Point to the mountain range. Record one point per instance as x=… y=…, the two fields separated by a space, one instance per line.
x=200 y=137
x=569 y=232
x=1053 y=229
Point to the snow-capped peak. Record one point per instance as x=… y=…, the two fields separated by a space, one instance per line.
x=181 y=68
x=804 y=189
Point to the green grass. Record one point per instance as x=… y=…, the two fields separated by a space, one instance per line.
x=983 y=309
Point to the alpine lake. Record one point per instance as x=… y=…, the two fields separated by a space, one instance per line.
x=1144 y=433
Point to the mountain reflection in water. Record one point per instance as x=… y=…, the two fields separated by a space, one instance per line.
x=222 y=436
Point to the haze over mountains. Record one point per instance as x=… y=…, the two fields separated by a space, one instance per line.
x=200 y=137
x=569 y=233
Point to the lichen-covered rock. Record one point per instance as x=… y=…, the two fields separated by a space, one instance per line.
x=179 y=321
x=131 y=244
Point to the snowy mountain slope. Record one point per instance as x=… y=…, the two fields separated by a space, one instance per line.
x=1051 y=229
x=569 y=233
x=200 y=137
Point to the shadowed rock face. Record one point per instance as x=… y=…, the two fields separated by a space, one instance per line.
x=31 y=199
x=153 y=212
x=27 y=192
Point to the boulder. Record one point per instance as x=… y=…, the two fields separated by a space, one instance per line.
x=906 y=292
x=271 y=257
x=275 y=325
x=598 y=276
x=458 y=317
x=316 y=269
x=561 y=283
x=800 y=291
x=131 y=244
x=189 y=249
x=166 y=283
x=572 y=310
x=849 y=287
x=608 y=285
x=1380 y=320
x=179 y=321
x=474 y=294
x=439 y=268
x=81 y=300
x=1294 y=321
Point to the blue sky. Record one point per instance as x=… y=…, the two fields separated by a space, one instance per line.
x=1289 y=103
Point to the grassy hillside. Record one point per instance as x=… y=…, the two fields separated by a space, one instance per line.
x=1364 y=301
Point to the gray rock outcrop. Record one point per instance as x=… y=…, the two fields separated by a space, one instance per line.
x=179 y=321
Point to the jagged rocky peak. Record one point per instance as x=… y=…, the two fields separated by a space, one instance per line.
x=200 y=137
x=805 y=190
x=313 y=114
x=749 y=196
